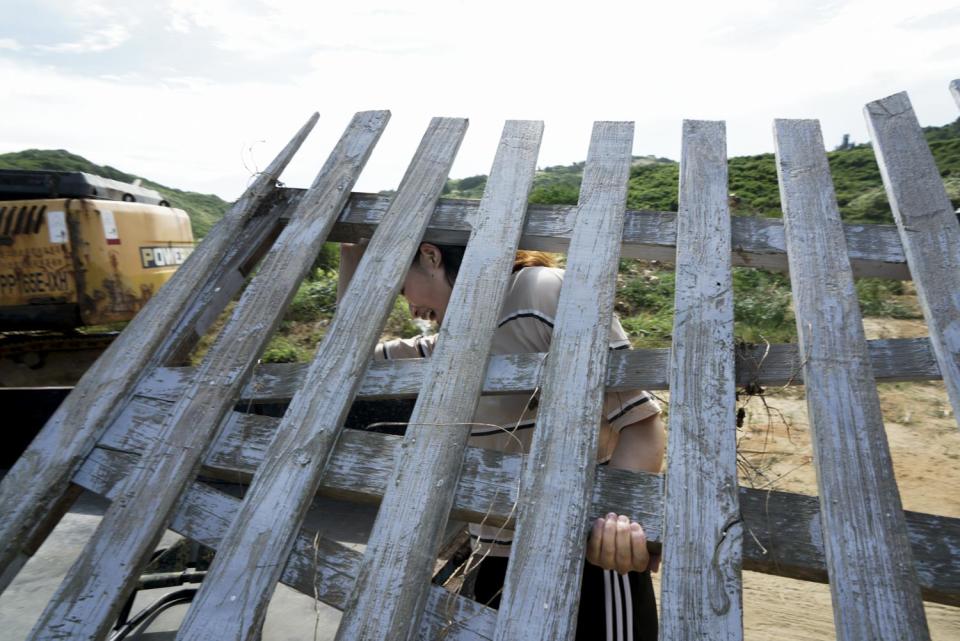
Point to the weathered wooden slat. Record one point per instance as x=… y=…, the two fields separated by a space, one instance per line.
x=651 y=235
x=33 y=488
x=784 y=529
x=701 y=592
x=872 y=579
x=87 y=602
x=955 y=90
x=404 y=543
x=233 y=600
x=546 y=562
x=929 y=229
x=318 y=567
x=893 y=360
x=208 y=303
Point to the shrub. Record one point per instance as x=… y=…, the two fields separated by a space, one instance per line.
x=876 y=297
x=400 y=324
x=282 y=350
x=316 y=298
x=647 y=331
x=556 y=194
x=761 y=306
x=652 y=293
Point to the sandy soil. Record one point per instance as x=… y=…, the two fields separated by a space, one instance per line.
x=775 y=452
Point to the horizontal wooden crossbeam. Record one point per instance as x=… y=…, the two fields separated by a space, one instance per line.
x=875 y=250
x=893 y=360
x=782 y=530
x=317 y=567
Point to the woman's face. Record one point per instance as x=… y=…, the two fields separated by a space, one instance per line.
x=426 y=288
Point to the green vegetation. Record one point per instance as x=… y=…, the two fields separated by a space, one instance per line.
x=645 y=303
x=653 y=186
x=282 y=350
x=762 y=299
x=887 y=298
x=204 y=209
x=752 y=181
x=309 y=314
x=761 y=305
x=317 y=297
x=645 y=295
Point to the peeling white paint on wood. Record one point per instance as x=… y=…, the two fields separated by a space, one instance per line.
x=233 y=599
x=929 y=229
x=650 y=235
x=404 y=543
x=872 y=580
x=860 y=531
x=89 y=598
x=893 y=360
x=32 y=490
x=317 y=566
x=701 y=593
x=546 y=562
x=784 y=539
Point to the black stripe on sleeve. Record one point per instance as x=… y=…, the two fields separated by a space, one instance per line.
x=539 y=317
x=628 y=407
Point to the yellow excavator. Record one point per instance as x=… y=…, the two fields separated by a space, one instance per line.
x=78 y=254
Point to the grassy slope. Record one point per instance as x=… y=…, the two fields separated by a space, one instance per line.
x=761 y=299
x=204 y=209
x=645 y=291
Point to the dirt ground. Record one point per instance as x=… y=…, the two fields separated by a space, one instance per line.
x=775 y=452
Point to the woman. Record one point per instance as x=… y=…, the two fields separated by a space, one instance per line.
x=616 y=594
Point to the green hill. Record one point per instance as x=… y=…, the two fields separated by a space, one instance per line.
x=645 y=290
x=753 y=181
x=204 y=209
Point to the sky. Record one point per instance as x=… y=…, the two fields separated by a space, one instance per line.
x=201 y=94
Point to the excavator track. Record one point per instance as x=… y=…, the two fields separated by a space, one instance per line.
x=15 y=344
x=48 y=359
x=37 y=371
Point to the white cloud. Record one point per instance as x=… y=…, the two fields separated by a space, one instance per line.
x=10 y=44
x=104 y=39
x=568 y=64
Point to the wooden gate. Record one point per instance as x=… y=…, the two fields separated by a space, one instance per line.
x=139 y=430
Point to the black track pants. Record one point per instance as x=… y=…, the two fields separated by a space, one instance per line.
x=613 y=607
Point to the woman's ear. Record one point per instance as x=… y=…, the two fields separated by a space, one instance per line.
x=431 y=255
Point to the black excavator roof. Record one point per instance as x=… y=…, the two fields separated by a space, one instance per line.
x=24 y=184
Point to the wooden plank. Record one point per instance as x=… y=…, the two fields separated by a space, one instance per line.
x=955 y=90
x=701 y=592
x=893 y=360
x=547 y=562
x=404 y=543
x=233 y=600
x=239 y=261
x=929 y=229
x=785 y=537
x=318 y=566
x=872 y=580
x=35 y=485
x=784 y=529
x=87 y=602
x=651 y=235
